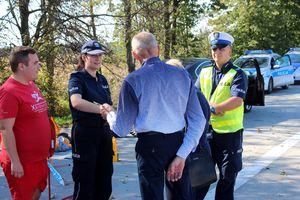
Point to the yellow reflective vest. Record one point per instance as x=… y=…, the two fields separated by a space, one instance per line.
x=232 y=120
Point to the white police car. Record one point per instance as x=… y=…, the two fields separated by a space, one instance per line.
x=277 y=71
x=294 y=54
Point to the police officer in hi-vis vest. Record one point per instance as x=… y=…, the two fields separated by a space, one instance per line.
x=224 y=85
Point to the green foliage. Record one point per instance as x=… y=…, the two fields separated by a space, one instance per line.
x=64 y=121
x=260 y=24
x=4 y=72
x=4 y=65
x=149 y=16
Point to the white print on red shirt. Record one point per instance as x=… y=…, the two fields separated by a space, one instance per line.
x=36 y=96
x=39 y=106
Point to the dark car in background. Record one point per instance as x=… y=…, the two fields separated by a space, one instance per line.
x=255 y=94
x=194 y=66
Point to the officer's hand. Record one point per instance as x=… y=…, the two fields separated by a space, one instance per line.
x=217 y=112
x=17 y=169
x=175 y=169
x=105 y=109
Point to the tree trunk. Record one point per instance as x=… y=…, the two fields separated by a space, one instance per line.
x=93 y=19
x=24 y=16
x=128 y=32
x=49 y=44
x=167 y=29
x=174 y=25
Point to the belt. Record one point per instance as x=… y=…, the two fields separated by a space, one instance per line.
x=154 y=133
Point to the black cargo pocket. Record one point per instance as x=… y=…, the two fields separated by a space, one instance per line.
x=237 y=160
x=84 y=163
x=80 y=172
x=232 y=163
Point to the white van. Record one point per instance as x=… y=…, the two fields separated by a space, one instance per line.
x=277 y=71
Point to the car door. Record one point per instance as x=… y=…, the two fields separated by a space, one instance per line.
x=255 y=94
x=283 y=71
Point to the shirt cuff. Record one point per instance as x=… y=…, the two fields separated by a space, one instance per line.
x=183 y=152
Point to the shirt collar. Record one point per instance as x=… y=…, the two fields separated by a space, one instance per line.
x=87 y=75
x=151 y=60
x=225 y=68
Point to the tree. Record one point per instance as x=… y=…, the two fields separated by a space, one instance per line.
x=173 y=29
x=259 y=24
x=50 y=26
x=128 y=34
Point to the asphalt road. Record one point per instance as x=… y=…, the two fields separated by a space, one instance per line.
x=271 y=149
x=271 y=156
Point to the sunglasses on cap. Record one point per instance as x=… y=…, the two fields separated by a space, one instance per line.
x=218 y=46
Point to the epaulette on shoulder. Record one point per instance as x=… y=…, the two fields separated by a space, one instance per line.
x=76 y=73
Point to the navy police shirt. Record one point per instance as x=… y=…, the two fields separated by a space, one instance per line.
x=94 y=90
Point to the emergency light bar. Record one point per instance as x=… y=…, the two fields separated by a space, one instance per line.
x=252 y=52
x=294 y=49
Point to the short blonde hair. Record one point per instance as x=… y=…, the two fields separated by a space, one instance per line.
x=175 y=62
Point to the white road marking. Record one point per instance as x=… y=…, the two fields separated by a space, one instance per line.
x=249 y=172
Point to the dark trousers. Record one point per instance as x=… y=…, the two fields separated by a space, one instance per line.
x=200 y=193
x=227 y=153
x=154 y=153
x=92 y=163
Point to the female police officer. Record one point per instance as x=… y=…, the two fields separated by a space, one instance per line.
x=91 y=142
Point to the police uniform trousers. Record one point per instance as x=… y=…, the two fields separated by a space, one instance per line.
x=154 y=153
x=92 y=161
x=227 y=154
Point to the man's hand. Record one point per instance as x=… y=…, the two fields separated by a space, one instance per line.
x=175 y=169
x=17 y=170
x=218 y=112
x=105 y=109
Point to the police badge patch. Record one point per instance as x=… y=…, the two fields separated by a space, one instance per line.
x=216 y=35
x=96 y=44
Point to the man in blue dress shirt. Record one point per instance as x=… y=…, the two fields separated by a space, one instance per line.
x=158 y=101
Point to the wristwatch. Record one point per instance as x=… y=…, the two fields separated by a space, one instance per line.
x=212 y=109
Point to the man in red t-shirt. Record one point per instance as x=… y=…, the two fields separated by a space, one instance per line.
x=25 y=127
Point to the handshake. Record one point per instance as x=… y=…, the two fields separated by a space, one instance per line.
x=107 y=112
x=105 y=109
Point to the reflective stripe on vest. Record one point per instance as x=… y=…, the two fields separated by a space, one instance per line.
x=232 y=120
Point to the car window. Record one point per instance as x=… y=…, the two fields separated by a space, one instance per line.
x=295 y=58
x=201 y=65
x=284 y=61
x=191 y=70
x=244 y=63
x=262 y=61
x=194 y=66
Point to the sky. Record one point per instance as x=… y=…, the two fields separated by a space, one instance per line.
x=10 y=37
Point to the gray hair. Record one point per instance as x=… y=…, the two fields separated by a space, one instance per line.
x=143 y=40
